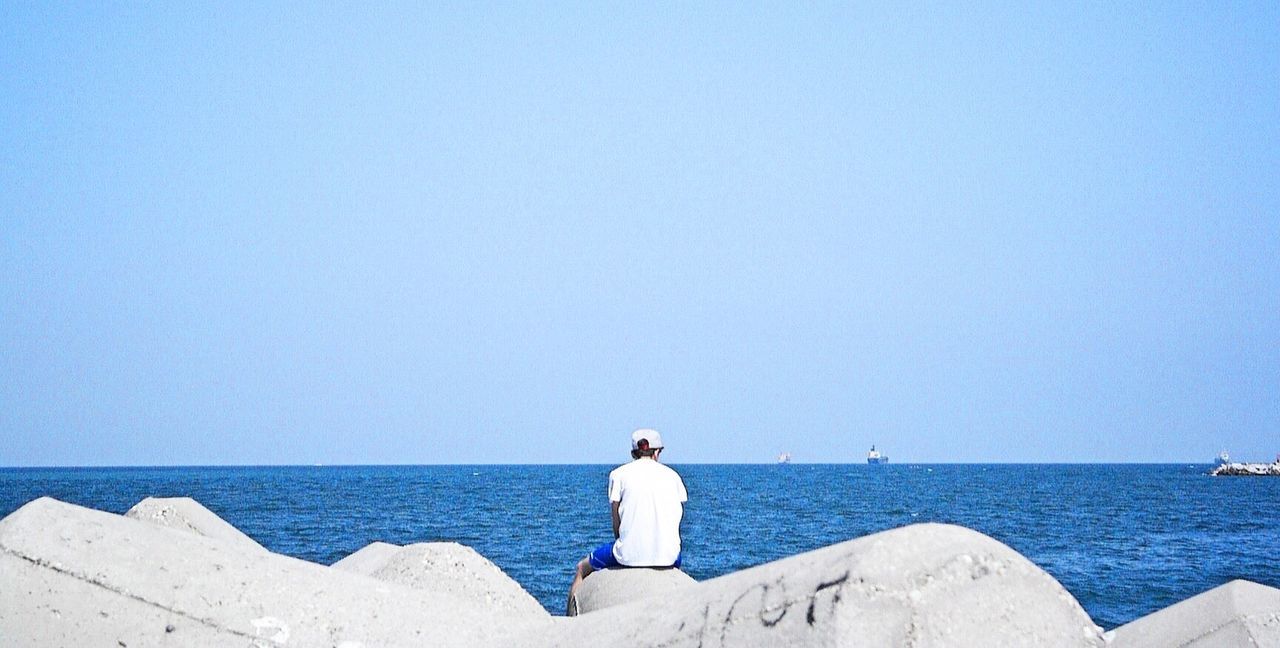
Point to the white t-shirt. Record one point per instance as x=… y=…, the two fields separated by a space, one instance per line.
x=652 y=497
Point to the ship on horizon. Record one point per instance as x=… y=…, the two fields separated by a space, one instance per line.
x=875 y=458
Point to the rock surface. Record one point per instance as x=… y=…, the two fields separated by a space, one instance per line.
x=1239 y=613
x=74 y=576
x=611 y=587
x=368 y=559
x=461 y=572
x=186 y=514
x=923 y=585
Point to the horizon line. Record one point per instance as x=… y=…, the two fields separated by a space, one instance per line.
x=677 y=463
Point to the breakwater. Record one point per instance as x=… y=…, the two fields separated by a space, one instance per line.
x=169 y=571
x=1247 y=470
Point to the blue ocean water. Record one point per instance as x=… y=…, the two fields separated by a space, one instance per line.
x=1124 y=539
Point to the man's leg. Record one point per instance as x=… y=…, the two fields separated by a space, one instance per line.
x=601 y=558
x=584 y=569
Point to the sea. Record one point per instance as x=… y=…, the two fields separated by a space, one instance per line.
x=1125 y=540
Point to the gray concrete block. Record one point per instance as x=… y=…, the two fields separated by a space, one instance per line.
x=610 y=587
x=459 y=571
x=1239 y=613
x=186 y=514
x=368 y=559
x=924 y=586
x=42 y=607
x=74 y=576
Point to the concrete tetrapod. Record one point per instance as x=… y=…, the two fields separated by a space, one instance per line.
x=73 y=575
x=186 y=514
x=610 y=587
x=1239 y=613
x=368 y=559
x=459 y=571
x=923 y=585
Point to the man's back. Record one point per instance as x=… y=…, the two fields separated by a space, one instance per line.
x=651 y=497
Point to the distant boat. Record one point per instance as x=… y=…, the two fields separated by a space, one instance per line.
x=875 y=458
x=784 y=458
x=1223 y=458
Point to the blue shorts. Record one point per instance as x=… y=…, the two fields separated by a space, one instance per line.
x=603 y=558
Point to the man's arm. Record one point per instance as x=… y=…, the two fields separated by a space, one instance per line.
x=617 y=518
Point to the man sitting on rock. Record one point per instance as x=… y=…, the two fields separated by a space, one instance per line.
x=647 y=500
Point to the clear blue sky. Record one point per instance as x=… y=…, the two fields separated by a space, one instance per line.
x=388 y=233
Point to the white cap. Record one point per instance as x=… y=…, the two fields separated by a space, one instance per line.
x=651 y=438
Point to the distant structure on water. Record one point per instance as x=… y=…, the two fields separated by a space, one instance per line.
x=875 y=458
x=784 y=458
x=1226 y=468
